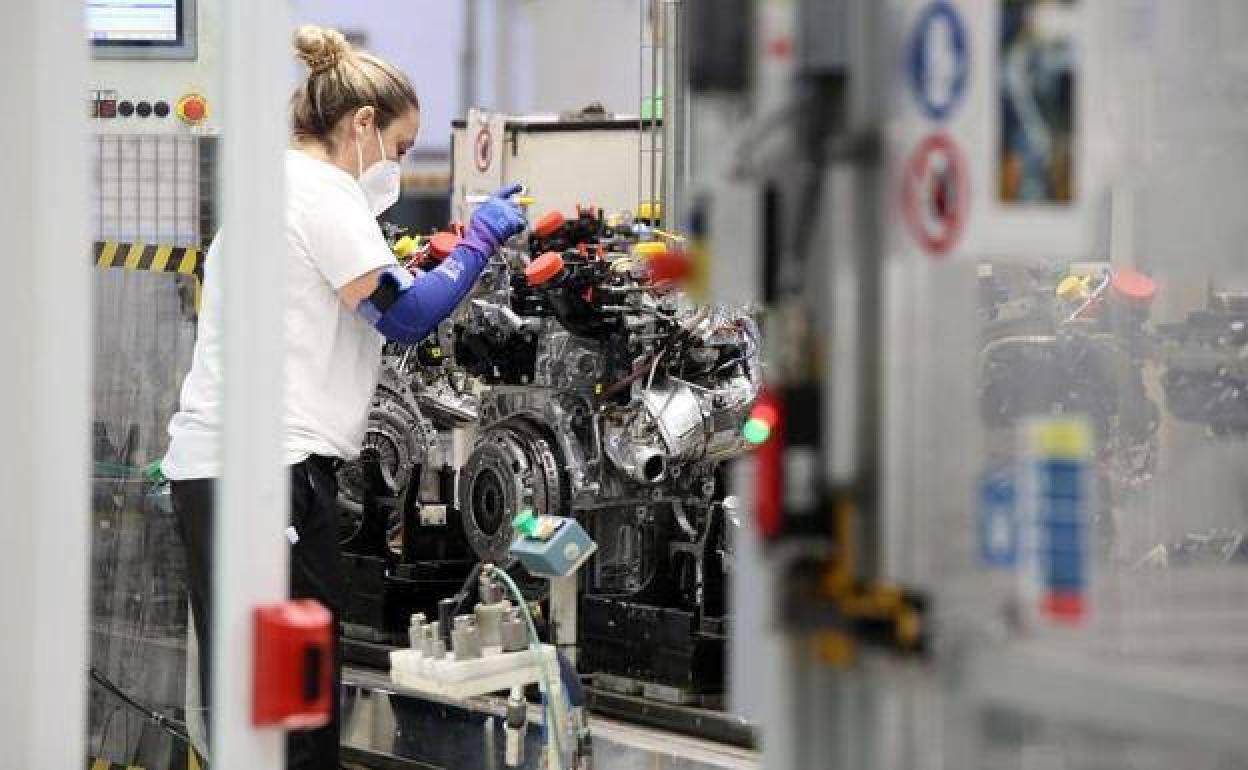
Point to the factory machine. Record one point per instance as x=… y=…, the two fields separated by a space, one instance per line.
x=1080 y=338
x=628 y=398
x=579 y=380
x=997 y=513
x=152 y=109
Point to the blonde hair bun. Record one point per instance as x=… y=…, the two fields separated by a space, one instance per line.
x=320 y=48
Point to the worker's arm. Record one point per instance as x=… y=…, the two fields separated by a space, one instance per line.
x=406 y=306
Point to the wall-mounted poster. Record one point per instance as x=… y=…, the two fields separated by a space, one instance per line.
x=1038 y=70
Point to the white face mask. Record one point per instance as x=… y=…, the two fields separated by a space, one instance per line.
x=379 y=181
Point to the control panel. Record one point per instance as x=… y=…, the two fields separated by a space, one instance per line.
x=155 y=114
x=133 y=91
x=153 y=105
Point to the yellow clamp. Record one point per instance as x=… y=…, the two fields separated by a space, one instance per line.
x=649 y=249
x=878 y=602
x=650 y=210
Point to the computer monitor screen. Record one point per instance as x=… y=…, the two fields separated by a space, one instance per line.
x=130 y=22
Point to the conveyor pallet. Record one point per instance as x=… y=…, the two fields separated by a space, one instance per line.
x=386 y=727
x=703 y=723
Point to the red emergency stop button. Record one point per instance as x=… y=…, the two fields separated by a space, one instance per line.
x=293 y=685
x=192 y=109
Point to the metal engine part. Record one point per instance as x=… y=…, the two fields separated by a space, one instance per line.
x=412 y=411
x=399 y=532
x=511 y=468
x=399 y=438
x=1206 y=380
x=615 y=400
x=586 y=390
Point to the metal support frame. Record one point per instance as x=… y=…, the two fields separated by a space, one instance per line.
x=45 y=301
x=650 y=133
x=504 y=54
x=252 y=507
x=675 y=114
x=563 y=607
x=1157 y=701
x=469 y=61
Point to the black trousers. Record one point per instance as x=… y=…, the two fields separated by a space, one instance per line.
x=315 y=573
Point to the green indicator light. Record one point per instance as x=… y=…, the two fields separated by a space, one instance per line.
x=756 y=431
x=525 y=522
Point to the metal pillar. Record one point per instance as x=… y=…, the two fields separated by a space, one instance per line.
x=45 y=302
x=504 y=55
x=563 y=606
x=252 y=507
x=675 y=114
x=469 y=61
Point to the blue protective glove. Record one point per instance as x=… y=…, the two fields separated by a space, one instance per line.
x=408 y=307
x=495 y=222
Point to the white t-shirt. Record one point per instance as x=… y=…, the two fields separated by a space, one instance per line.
x=333 y=355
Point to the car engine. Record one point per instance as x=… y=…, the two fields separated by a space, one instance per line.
x=592 y=386
x=611 y=396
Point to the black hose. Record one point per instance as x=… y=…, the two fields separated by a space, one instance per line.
x=577 y=695
x=170 y=725
x=465 y=590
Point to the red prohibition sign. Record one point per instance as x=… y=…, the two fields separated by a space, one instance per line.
x=935 y=194
x=484 y=150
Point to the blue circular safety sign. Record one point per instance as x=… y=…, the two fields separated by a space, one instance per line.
x=939 y=60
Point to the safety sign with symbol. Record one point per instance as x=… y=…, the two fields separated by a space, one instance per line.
x=935 y=194
x=939 y=60
x=998 y=525
x=484 y=150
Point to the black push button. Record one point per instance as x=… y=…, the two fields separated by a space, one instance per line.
x=311 y=673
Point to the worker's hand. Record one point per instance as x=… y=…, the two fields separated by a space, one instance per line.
x=498 y=219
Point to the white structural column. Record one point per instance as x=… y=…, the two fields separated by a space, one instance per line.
x=45 y=310
x=252 y=506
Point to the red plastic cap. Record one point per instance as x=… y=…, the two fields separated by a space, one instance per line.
x=548 y=224
x=544 y=268
x=442 y=244
x=1065 y=607
x=1134 y=287
x=669 y=267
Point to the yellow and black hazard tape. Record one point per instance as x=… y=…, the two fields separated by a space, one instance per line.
x=104 y=764
x=156 y=258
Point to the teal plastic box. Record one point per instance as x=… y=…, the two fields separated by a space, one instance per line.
x=550 y=546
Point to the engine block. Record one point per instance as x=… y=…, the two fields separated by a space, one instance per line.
x=600 y=391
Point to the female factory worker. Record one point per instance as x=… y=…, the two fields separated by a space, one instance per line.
x=352 y=119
